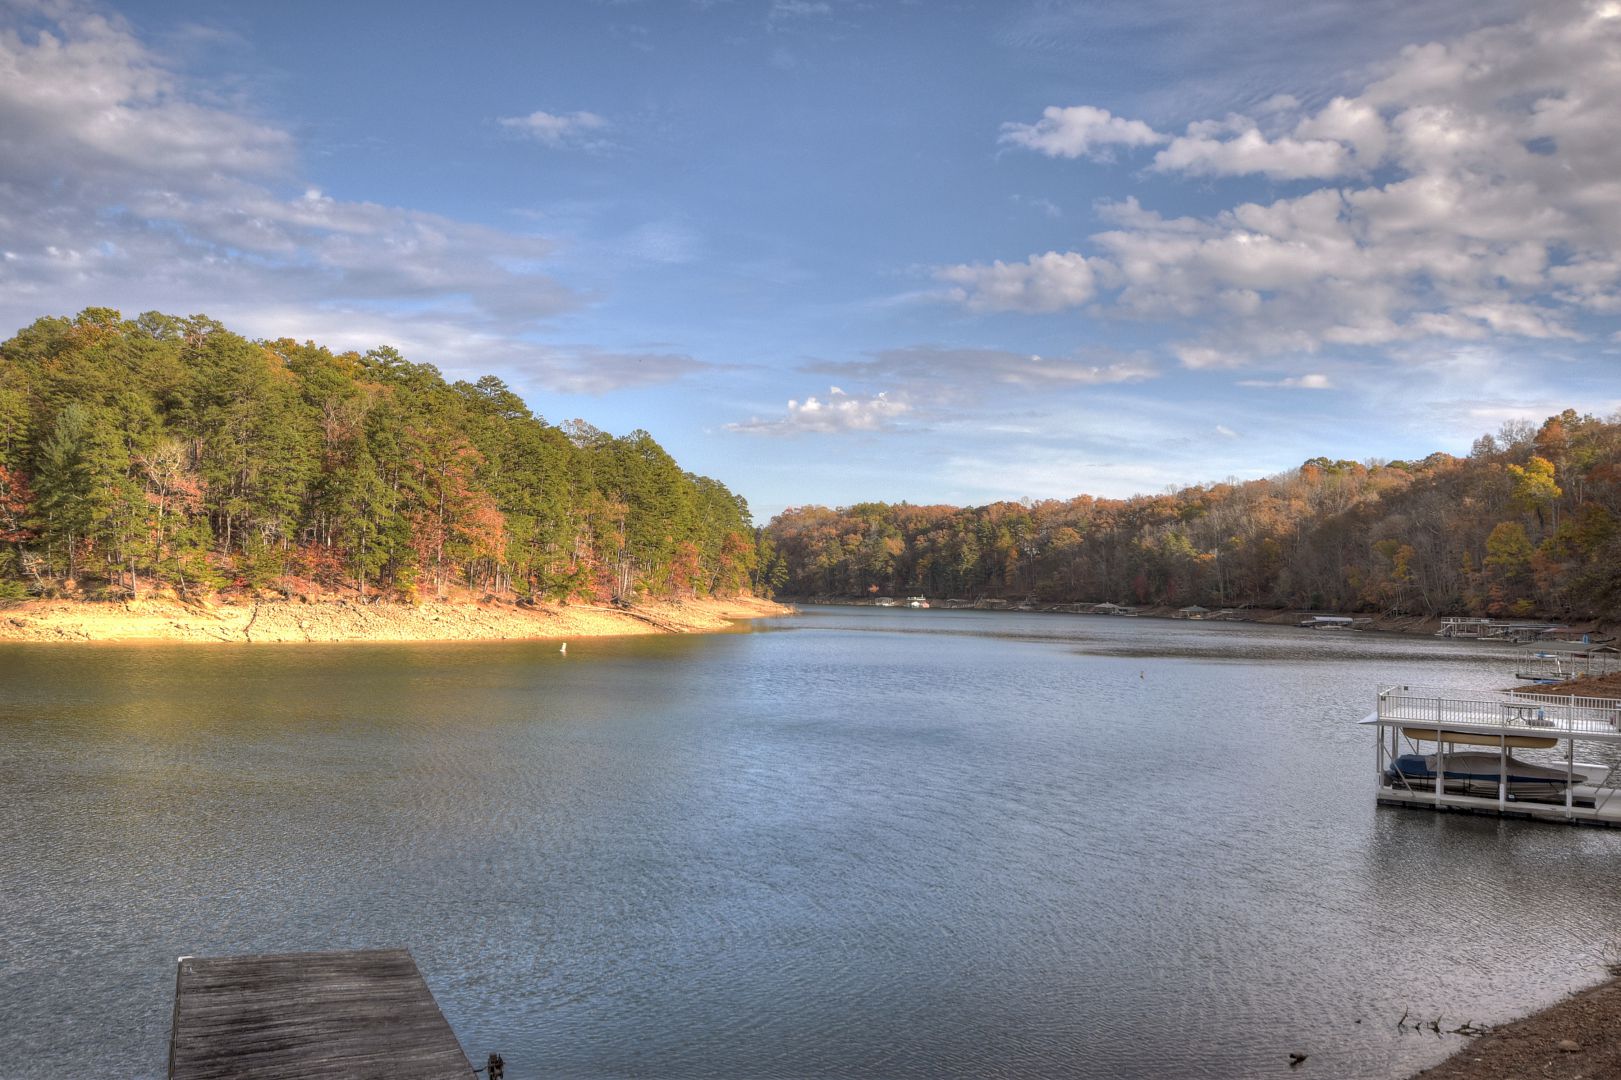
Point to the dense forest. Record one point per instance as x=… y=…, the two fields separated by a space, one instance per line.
x=1528 y=524
x=170 y=453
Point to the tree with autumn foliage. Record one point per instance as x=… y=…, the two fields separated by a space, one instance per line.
x=1528 y=522
x=168 y=452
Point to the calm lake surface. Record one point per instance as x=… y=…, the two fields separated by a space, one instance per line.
x=853 y=842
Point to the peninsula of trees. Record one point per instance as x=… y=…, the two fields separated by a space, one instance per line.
x=1528 y=524
x=169 y=453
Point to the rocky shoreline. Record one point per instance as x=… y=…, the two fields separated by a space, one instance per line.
x=352 y=619
x=1574 y=1039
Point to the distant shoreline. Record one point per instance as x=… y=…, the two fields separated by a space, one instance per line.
x=1401 y=624
x=353 y=620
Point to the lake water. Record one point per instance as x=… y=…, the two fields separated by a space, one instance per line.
x=853 y=842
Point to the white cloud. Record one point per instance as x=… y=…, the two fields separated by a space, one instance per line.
x=935 y=372
x=1199 y=357
x=1249 y=151
x=1049 y=282
x=445 y=339
x=1079 y=131
x=981 y=390
x=118 y=186
x=558 y=129
x=798 y=9
x=1356 y=125
x=82 y=98
x=1314 y=381
x=1475 y=195
x=839 y=413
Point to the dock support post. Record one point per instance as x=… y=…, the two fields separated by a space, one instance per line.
x=1378 y=742
x=1570 y=772
x=1502 y=772
x=1440 y=759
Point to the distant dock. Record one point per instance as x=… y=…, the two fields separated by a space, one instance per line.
x=310 y=1016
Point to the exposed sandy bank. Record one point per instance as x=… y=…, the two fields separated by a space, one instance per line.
x=353 y=620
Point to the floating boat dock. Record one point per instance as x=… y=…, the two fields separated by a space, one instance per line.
x=1489 y=724
x=310 y=1016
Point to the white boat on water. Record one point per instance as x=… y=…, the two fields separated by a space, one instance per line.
x=917 y=602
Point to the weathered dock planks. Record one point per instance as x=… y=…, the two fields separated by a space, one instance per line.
x=357 y=1015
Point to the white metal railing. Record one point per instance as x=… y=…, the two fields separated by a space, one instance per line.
x=1526 y=711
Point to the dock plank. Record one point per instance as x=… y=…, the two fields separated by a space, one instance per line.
x=356 y=1015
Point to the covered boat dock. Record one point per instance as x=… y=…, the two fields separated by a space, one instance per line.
x=1435 y=723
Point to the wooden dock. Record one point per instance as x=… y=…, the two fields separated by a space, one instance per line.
x=357 y=1015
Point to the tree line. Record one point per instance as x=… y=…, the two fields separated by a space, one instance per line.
x=168 y=452
x=1529 y=523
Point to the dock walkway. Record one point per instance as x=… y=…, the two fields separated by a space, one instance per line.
x=309 y=1016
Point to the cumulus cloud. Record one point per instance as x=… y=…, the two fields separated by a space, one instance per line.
x=558 y=129
x=1472 y=195
x=838 y=413
x=1249 y=151
x=117 y=185
x=1314 y=381
x=1049 y=282
x=1079 y=131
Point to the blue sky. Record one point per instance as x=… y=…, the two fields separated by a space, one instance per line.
x=832 y=251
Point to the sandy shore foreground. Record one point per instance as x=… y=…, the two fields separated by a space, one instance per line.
x=354 y=620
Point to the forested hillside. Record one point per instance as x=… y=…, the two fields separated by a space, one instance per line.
x=1528 y=523
x=169 y=452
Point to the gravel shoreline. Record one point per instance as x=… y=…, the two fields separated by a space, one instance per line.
x=1577 y=1039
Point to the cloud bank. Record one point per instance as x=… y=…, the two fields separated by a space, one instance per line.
x=119 y=184
x=1467 y=193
